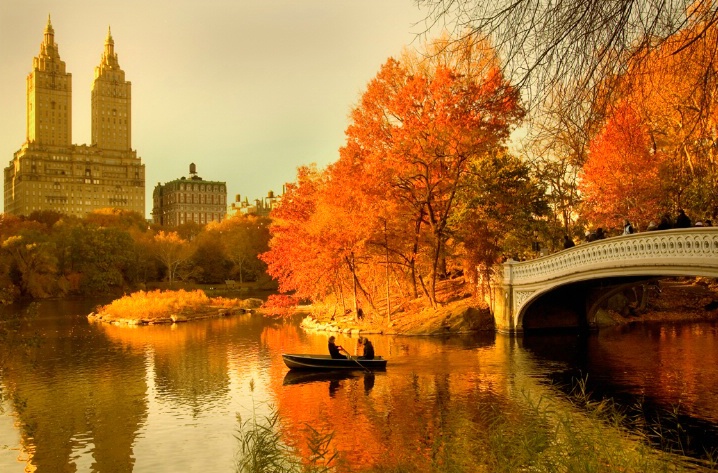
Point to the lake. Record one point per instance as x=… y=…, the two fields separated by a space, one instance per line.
x=89 y=397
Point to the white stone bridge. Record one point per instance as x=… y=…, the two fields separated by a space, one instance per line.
x=565 y=289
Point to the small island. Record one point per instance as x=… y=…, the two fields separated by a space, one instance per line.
x=168 y=307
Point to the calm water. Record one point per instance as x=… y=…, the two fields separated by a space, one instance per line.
x=96 y=398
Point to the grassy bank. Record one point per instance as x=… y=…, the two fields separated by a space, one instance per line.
x=166 y=307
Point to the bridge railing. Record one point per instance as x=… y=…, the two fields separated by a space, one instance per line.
x=697 y=245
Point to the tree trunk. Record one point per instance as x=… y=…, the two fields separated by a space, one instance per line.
x=354 y=282
x=388 y=293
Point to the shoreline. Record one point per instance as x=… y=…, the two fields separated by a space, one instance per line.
x=687 y=301
x=166 y=308
x=679 y=300
x=214 y=312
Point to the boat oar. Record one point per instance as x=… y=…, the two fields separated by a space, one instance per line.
x=356 y=361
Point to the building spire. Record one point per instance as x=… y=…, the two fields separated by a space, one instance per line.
x=49 y=32
x=109 y=57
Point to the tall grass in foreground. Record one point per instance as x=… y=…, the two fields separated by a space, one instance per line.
x=539 y=437
x=261 y=449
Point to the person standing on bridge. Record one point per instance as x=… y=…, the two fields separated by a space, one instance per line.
x=567 y=242
x=627 y=227
x=682 y=220
x=665 y=223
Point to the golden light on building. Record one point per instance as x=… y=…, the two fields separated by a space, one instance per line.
x=49 y=172
x=189 y=199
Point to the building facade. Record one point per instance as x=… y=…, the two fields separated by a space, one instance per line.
x=189 y=199
x=260 y=207
x=49 y=172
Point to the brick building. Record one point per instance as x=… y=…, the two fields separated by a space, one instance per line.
x=189 y=199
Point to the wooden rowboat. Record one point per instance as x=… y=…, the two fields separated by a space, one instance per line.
x=326 y=362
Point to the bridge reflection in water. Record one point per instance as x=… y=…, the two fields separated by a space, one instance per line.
x=565 y=289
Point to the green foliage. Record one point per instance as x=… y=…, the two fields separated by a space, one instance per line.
x=499 y=209
x=32 y=261
x=210 y=261
x=50 y=254
x=261 y=447
x=102 y=255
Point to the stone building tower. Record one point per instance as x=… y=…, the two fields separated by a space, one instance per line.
x=49 y=172
x=111 y=102
x=49 y=96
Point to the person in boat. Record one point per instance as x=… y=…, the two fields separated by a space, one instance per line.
x=334 y=349
x=368 y=349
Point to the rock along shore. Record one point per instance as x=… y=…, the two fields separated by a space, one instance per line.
x=463 y=316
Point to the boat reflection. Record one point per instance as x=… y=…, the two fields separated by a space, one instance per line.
x=332 y=378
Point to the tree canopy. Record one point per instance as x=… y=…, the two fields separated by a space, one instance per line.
x=395 y=197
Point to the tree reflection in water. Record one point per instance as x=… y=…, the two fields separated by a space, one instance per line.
x=105 y=398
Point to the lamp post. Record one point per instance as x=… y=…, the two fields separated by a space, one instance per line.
x=535 y=245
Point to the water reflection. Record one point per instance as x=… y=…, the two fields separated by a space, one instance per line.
x=72 y=392
x=95 y=397
x=302 y=377
x=433 y=391
x=665 y=374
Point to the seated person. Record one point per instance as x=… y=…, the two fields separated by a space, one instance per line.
x=368 y=349
x=334 y=349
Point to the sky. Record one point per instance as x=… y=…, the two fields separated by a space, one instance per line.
x=247 y=90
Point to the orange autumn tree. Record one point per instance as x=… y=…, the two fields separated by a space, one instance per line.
x=670 y=89
x=386 y=209
x=318 y=237
x=296 y=258
x=420 y=125
x=676 y=89
x=621 y=178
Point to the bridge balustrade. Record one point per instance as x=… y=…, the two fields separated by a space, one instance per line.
x=678 y=252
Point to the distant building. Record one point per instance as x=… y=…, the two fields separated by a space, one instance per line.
x=51 y=173
x=189 y=200
x=260 y=207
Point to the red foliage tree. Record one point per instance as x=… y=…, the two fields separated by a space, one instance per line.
x=622 y=177
x=390 y=200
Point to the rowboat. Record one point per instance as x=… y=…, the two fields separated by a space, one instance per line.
x=326 y=362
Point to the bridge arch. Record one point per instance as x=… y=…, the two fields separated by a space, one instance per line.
x=519 y=286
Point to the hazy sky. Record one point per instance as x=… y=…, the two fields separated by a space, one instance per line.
x=247 y=90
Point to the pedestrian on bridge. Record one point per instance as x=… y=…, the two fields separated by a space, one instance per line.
x=665 y=223
x=682 y=220
x=627 y=227
x=567 y=242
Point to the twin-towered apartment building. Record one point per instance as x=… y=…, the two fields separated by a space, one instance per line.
x=51 y=173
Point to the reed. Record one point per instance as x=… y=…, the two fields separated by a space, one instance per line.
x=583 y=435
x=262 y=450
